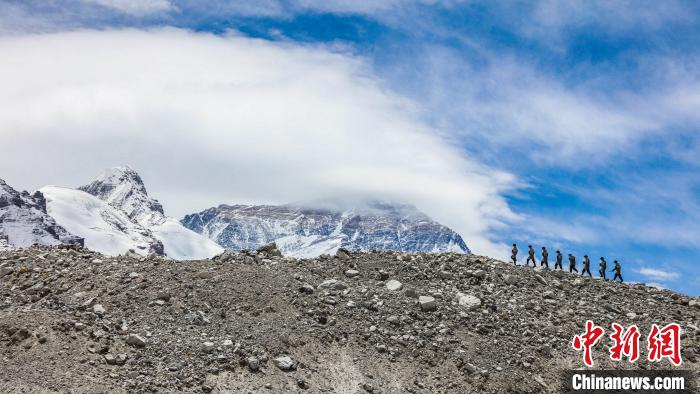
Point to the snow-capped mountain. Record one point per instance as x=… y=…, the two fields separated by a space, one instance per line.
x=114 y=213
x=308 y=232
x=106 y=229
x=24 y=220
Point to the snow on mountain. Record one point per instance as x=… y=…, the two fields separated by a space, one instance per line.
x=24 y=220
x=308 y=232
x=106 y=229
x=123 y=189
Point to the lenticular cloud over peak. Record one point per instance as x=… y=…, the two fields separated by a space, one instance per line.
x=227 y=119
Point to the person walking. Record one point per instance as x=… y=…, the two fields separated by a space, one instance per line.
x=514 y=255
x=545 y=258
x=572 y=263
x=530 y=257
x=558 y=262
x=617 y=269
x=586 y=266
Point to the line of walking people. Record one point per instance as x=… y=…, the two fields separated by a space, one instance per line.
x=617 y=269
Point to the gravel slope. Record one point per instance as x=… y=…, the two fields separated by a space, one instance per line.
x=73 y=320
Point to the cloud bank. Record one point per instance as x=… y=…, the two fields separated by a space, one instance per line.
x=208 y=119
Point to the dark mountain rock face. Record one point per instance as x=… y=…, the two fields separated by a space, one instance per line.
x=24 y=220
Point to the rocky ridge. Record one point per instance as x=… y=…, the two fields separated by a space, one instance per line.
x=379 y=322
x=24 y=220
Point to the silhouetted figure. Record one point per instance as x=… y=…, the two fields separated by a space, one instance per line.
x=603 y=266
x=531 y=257
x=558 y=263
x=572 y=263
x=545 y=258
x=617 y=269
x=586 y=266
x=514 y=255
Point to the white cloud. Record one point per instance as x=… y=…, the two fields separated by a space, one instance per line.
x=136 y=7
x=658 y=275
x=209 y=120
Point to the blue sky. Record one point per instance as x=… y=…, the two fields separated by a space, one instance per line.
x=593 y=107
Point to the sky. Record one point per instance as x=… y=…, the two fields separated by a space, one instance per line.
x=573 y=125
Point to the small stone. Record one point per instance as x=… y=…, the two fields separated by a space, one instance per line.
x=253 y=364
x=479 y=274
x=427 y=303
x=339 y=286
x=383 y=275
x=270 y=249
x=6 y=271
x=343 y=254
x=208 y=346
x=285 y=363
x=510 y=279
x=352 y=273
x=631 y=315
x=133 y=275
x=411 y=292
x=99 y=310
x=136 y=340
x=227 y=343
x=121 y=359
x=306 y=289
x=326 y=284
x=394 y=285
x=110 y=359
x=368 y=387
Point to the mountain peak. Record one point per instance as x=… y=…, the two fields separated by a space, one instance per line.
x=123 y=188
x=310 y=231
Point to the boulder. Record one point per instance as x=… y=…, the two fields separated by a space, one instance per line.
x=468 y=301
x=136 y=340
x=285 y=363
x=394 y=285
x=427 y=303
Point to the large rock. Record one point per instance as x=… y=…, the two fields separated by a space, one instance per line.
x=136 y=340
x=270 y=249
x=285 y=363
x=427 y=303
x=394 y=285
x=468 y=301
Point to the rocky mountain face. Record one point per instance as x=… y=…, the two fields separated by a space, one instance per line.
x=123 y=189
x=308 y=232
x=24 y=220
x=115 y=214
x=72 y=320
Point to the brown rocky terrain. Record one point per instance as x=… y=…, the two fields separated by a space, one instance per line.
x=75 y=321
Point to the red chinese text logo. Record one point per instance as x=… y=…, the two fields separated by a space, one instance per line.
x=661 y=343
x=587 y=340
x=625 y=343
x=665 y=343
